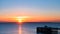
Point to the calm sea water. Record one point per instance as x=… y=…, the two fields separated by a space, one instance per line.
x=26 y=28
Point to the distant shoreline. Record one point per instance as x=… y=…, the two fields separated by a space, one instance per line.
x=31 y=22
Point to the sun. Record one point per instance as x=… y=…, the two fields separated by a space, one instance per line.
x=21 y=19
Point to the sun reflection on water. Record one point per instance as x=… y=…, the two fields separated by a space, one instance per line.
x=20 y=29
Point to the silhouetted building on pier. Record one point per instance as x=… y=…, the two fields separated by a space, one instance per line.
x=47 y=30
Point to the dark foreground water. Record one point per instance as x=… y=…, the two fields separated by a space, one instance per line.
x=26 y=28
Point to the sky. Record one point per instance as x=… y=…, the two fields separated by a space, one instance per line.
x=39 y=10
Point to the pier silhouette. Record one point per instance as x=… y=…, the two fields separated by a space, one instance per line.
x=47 y=30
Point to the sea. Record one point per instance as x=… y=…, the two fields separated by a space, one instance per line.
x=26 y=27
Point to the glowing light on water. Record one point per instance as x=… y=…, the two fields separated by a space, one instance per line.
x=20 y=29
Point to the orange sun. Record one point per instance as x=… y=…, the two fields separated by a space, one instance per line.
x=21 y=19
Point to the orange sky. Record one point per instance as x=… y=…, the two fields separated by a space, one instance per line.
x=30 y=19
x=37 y=10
